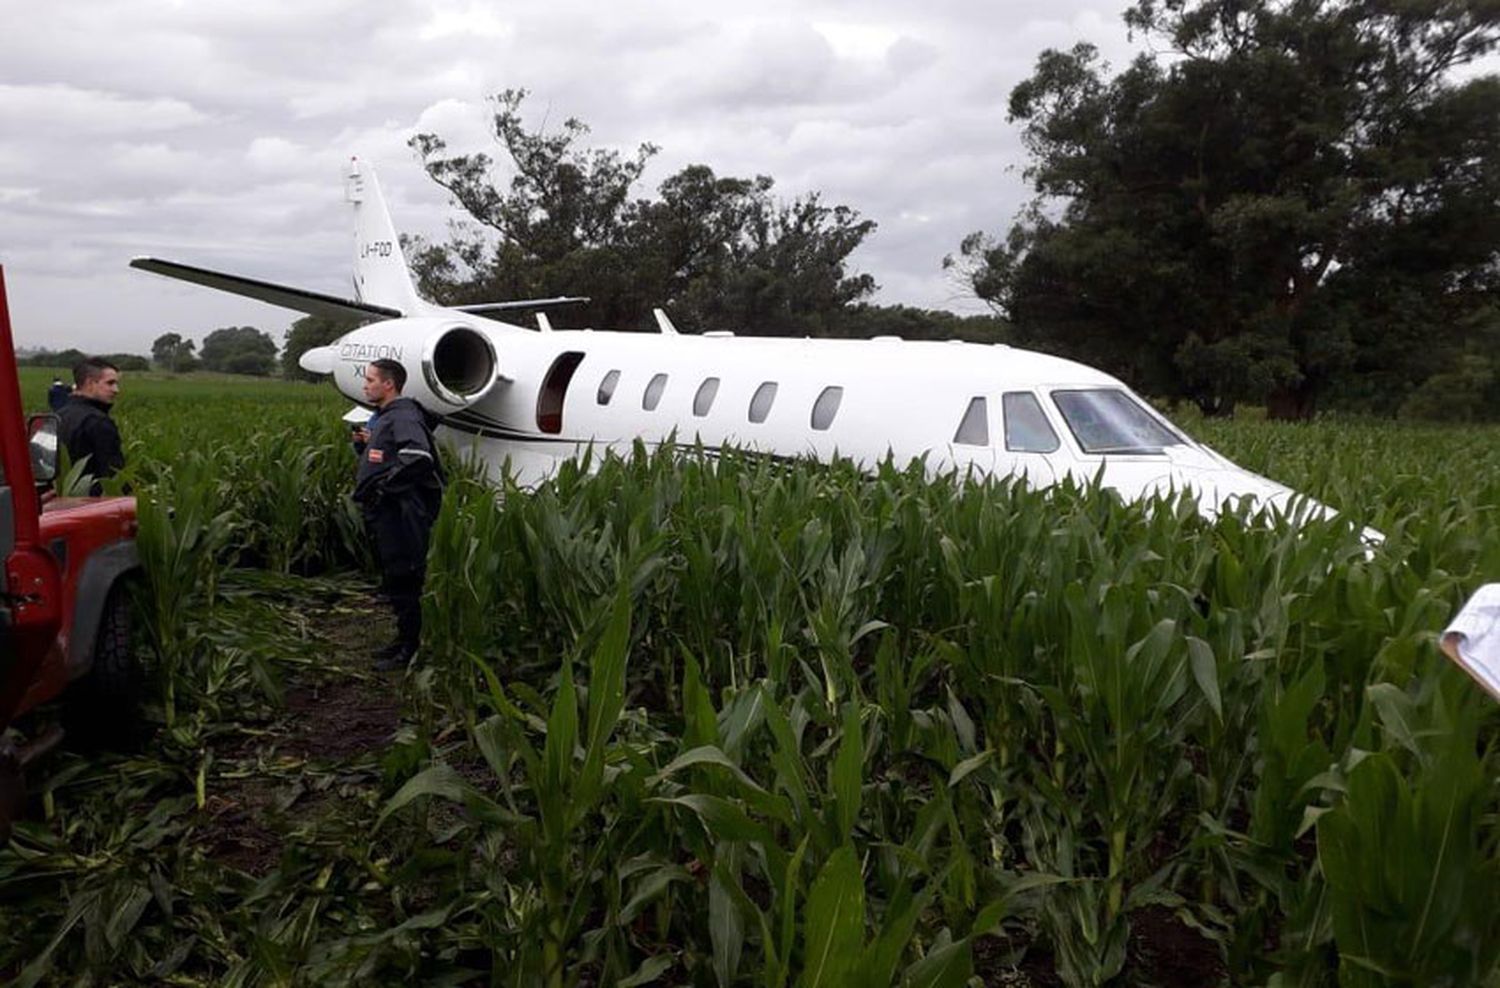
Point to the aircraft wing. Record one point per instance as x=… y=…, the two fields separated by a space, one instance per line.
x=313 y=303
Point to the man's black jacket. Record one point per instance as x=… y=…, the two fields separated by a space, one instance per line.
x=85 y=428
x=399 y=485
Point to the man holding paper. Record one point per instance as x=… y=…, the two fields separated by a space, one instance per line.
x=1472 y=639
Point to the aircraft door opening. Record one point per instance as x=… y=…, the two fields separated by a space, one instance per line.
x=549 y=401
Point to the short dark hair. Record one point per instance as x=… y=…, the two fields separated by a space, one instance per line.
x=90 y=368
x=391 y=371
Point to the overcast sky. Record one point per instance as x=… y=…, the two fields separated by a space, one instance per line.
x=217 y=135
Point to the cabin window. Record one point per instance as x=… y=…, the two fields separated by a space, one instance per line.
x=652 y=397
x=974 y=430
x=1026 y=427
x=549 y=402
x=760 y=402
x=704 y=399
x=826 y=407
x=1108 y=420
x=607 y=386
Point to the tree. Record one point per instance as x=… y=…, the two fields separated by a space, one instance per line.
x=170 y=352
x=721 y=253
x=128 y=361
x=240 y=350
x=305 y=334
x=1292 y=195
x=866 y=321
x=66 y=359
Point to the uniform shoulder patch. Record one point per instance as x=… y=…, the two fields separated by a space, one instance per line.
x=376 y=455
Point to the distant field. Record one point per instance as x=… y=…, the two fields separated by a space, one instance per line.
x=147 y=387
x=729 y=722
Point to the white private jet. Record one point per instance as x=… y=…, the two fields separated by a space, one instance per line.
x=530 y=399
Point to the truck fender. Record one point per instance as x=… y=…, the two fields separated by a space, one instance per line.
x=103 y=569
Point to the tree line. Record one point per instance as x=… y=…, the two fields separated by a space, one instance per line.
x=230 y=350
x=1291 y=203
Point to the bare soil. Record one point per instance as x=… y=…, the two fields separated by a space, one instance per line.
x=338 y=717
x=1166 y=951
x=236 y=831
x=1162 y=951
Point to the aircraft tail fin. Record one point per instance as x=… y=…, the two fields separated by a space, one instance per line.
x=380 y=274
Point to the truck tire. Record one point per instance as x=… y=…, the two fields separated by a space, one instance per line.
x=103 y=707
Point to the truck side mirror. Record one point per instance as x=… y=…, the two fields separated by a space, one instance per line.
x=43 y=432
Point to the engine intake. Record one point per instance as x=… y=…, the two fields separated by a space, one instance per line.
x=459 y=364
x=449 y=365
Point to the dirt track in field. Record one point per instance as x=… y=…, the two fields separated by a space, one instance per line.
x=323 y=747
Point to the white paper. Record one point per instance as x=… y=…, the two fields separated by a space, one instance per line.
x=1472 y=639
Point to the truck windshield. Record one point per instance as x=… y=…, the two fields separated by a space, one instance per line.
x=1108 y=420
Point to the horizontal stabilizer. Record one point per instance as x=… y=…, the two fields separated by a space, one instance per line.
x=312 y=303
x=481 y=308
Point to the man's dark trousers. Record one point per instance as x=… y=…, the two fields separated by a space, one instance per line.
x=404 y=591
x=402 y=527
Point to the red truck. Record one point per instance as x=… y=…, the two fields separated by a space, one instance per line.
x=64 y=608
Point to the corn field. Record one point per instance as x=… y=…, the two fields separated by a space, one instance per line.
x=716 y=720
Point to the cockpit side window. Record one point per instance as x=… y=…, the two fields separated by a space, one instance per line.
x=826 y=407
x=974 y=430
x=1026 y=427
x=1108 y=420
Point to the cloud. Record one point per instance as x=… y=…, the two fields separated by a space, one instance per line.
x=219 y=134
x=85 y=113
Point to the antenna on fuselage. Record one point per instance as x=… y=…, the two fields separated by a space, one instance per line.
x=663 y=323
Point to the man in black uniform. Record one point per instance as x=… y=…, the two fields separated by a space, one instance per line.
x=399 y=487
x=84 y=425
x=57 y=395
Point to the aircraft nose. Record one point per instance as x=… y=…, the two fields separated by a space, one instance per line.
x=318 y=360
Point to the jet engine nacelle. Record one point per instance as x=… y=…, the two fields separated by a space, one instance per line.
x=449 y=364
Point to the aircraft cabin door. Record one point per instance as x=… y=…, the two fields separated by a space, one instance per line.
x=554 y=391
x=1029 y=445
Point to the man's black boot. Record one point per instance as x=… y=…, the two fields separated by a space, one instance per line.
x=395 y=656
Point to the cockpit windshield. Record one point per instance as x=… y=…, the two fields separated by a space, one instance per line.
x=1108 y=420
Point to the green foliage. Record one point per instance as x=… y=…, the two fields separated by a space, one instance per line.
x=723 y=721
x=63 y=360
x=1412 y=892
x=1276 y=202
x=864 y=321
x=170 y=352
x=302 y=336
x=719 y=253
x=239 y=350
